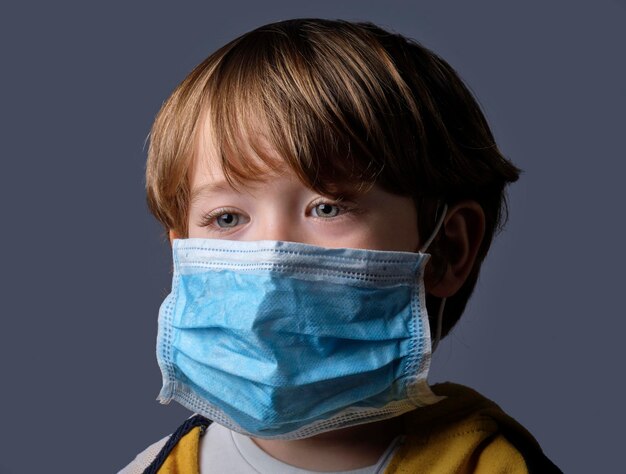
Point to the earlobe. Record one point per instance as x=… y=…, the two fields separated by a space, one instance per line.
x=462 y=234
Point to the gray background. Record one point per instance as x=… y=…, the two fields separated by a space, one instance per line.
x=84 y=266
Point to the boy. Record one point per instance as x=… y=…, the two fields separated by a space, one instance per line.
x=302 y=171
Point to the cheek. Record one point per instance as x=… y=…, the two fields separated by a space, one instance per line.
x=401 y=240
x=383 y=236
x=391 y=222
x=194 y=232
x=193 y=229
x=397 y=230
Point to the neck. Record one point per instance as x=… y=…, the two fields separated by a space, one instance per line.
x=338 y=450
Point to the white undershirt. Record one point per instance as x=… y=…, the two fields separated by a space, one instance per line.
x=223 y=450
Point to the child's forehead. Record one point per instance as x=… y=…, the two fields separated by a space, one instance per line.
x=257 y=165
x=208 y=176
x=208 y=169
x=255 y=158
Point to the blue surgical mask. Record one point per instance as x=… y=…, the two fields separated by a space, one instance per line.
x=288 y=340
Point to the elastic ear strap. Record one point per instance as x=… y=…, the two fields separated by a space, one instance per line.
x=439 y=329
x=442 y=304
x=437 y=227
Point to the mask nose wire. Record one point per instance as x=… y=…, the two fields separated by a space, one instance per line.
x=442 y=303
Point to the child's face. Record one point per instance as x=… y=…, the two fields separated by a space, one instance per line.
x=281 y=207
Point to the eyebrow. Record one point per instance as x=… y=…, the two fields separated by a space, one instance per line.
x=210 y=188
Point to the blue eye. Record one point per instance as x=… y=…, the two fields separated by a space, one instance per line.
x=325 y=210
x=226 y=220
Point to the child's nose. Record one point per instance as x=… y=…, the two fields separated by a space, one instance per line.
x=278 y=228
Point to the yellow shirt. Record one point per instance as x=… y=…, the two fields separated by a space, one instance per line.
x=464 y=433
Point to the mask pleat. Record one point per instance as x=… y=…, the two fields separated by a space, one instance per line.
x=274 y=338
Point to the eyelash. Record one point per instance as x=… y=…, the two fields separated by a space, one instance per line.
x=344 y=208
x=209 y=219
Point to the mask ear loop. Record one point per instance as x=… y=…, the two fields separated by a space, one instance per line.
x=438 y=225
x=438 y=331
x=442 y=303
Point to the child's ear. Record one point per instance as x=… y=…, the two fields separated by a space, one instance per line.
x=173 y=235
x=462 y=232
